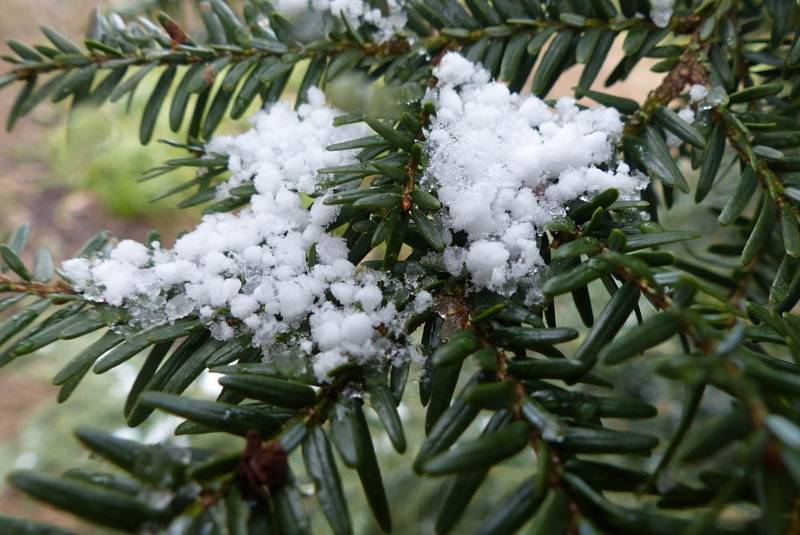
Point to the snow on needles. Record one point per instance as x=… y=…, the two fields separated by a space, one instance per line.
x=504 y=165
x=357 y=12
x=661 y=12
x=248 y=273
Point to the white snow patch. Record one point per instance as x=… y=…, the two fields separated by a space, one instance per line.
x=504 y=164
x=661 y=12
x=358 y=12
x=247 y=273
x=697 y=93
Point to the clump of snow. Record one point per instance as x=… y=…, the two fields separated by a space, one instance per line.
x=697 y=93
x=247 y=273
x=286 y=147
x=504 y=164
x=661 y=12
x=357 y=12
x=422 y=301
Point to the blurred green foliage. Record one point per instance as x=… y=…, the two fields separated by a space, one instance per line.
x=102 y=154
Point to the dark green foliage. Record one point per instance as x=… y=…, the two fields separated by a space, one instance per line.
x=693 y=313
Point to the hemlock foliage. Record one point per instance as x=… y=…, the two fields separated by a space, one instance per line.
x=497 y=373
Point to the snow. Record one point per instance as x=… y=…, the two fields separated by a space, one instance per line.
x=697 y=93
x=503 y=165
x=422 y=301
x=131 y=252
x=340 y=333
x=358 y=12
x=661 y=12
x=370 y=297
x=283 y=143
x=247 y=273
x=486 y=262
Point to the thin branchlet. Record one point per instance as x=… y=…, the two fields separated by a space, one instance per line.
x=42 y=289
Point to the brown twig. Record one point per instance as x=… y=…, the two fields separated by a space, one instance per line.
x=42 y=289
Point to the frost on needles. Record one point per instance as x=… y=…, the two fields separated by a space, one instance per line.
x=502 y=165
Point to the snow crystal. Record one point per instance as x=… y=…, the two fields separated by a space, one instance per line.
x=422 y=301
x=357 y=12
x=131 y=252
x=716 y=97
x=503 y=165
x=697 y=93
x=286 y=146
x=487 y=263
x=661 y=12
x=247 y=272
x=78 y=271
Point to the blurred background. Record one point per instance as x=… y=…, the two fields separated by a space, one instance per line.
x=73 y=174
x=69 y=175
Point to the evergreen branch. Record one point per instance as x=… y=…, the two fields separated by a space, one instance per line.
x=186 y=55
x=42 y=289
x=733 y=336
